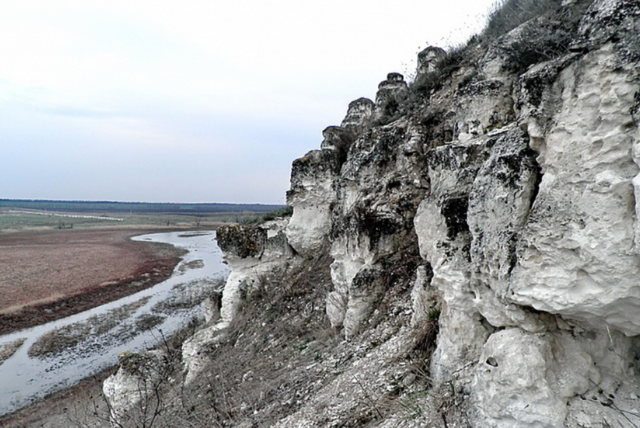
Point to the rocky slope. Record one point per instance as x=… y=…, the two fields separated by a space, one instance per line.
x=462 y=252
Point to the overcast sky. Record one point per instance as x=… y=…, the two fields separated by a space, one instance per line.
x=193 y=100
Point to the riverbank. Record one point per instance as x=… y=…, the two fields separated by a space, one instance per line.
x=48 y=275
x=57 y=355
x=77 y=405
x=67 y=408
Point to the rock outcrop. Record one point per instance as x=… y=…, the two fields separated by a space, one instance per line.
x=139 y=380
x=491 y=206
x=251 y=252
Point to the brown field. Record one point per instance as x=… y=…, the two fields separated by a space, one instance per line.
x=46 y=275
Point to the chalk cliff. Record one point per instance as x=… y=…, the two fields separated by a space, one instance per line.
x=482 y=229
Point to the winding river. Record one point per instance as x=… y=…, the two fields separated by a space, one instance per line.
x=59 y=354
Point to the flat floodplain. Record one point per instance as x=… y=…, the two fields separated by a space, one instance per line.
x=46 y=275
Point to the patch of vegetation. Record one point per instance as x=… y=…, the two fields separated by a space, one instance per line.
x=257 y=372
x=286 y=211
x=509 y=14
x=17 y=219
x=187 y=296
x=280 y=330
x=245 y=241
x=453 y=60
x=548 y=33
x=550 y=36
x=8 y=349
x=424 y=344
x=81 y=333
x=146 y=322
x=134 y=207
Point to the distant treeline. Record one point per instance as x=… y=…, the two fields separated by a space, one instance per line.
x=135 y=207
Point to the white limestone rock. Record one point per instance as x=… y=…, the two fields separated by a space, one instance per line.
x=576 y=254
x=211 y=308
x=311 y=196
x=522 y=194
x=381 y=183
x=428 y=60
x=134 y=385
x=423 y=296
x=569 y=377
x=359 y=115
x=252 y=252
x=443 y=236
x=499 y=205
x=314 y=180
x=505 y=394
x=391 y=93
x=481 y=107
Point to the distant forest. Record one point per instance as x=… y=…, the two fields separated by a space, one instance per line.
x=134 y=207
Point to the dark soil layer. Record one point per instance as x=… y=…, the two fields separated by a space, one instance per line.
x=50 y=275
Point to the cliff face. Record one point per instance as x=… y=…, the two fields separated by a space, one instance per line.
x=490 y=209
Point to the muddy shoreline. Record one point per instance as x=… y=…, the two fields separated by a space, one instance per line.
x=159 y=261
x=67 y=407
x=75 y=405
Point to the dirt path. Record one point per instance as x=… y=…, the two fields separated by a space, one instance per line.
x=53 y=274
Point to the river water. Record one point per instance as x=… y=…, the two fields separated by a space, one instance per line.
x=65 y=351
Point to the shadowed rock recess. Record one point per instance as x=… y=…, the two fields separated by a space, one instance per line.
x=464 y=251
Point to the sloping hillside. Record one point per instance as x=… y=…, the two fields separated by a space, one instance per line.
x=463 y=251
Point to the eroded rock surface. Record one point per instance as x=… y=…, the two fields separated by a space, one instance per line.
x=139 y=378
x=251 y=252
x=498 y=197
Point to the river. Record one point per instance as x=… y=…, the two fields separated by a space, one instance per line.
x=59 y=354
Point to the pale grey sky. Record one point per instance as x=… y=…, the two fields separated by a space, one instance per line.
x=193 y=100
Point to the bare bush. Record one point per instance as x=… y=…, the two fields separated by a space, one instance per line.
x=547 y=30
x=259 y=369
x=509 y=14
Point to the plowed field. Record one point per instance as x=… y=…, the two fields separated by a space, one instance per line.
x=48 y=275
